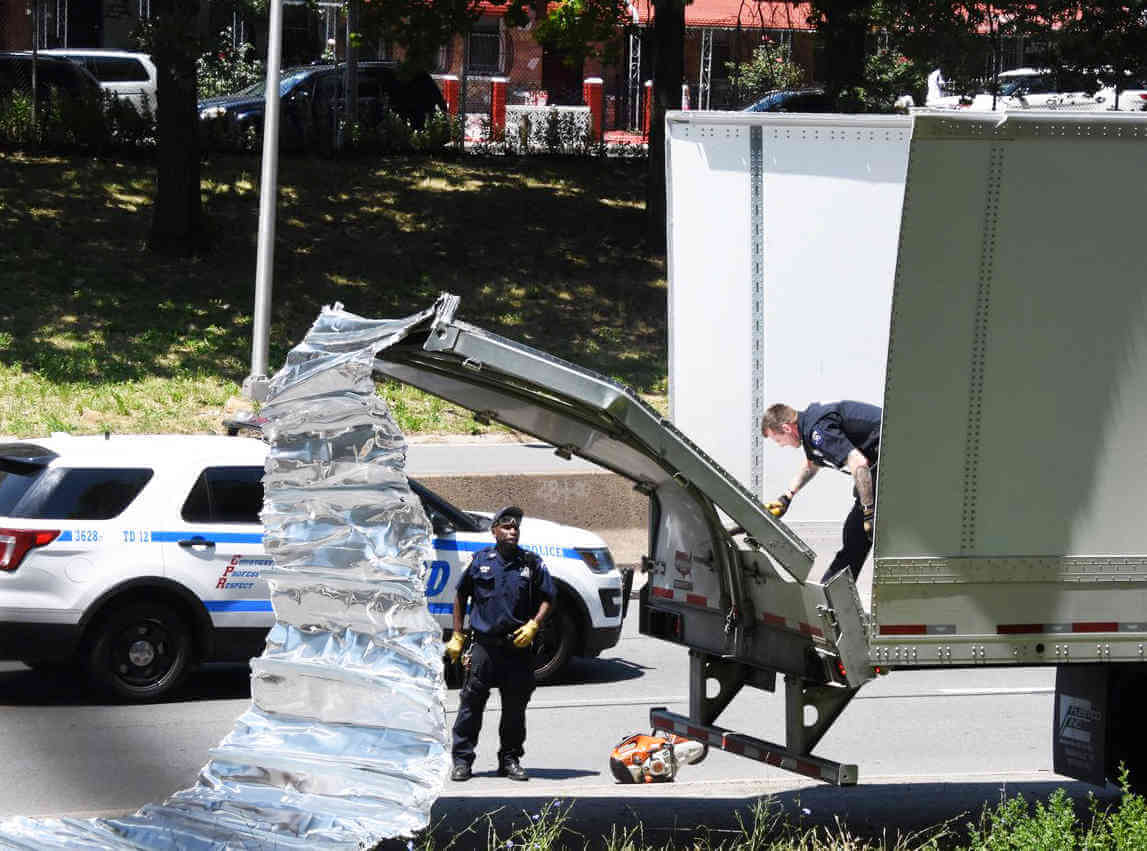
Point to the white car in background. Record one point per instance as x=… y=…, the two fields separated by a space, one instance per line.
x=1132 y=97
x=126 y=74
x=1026 y=88
x=137 y=556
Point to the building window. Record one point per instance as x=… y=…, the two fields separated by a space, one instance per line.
x=485 y=54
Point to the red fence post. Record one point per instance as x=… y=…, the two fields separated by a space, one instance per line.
x=498 y=107
x=450 y=93
x=591 y=97
x=647 y=119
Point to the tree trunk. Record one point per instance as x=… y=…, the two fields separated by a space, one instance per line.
x=177 y=222
x=843 y=28
x=668 y=72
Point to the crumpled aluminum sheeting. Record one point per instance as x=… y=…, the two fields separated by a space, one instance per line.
x=346 y=742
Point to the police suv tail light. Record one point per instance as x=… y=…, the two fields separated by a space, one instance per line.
x=598 y=560
x=15 y=543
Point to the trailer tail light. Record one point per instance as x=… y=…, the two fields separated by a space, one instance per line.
x=15 y=543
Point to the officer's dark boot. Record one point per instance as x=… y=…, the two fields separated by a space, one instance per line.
x=511 y=768
x=461 y=772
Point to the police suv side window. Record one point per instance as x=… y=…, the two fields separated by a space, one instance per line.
x=83 y=494
x=225 y=495
x=236 y=493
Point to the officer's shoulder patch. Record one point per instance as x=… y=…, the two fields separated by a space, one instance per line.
x=816 y=437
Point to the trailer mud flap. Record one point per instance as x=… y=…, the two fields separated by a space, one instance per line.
x=1097 y=725
x=1080 y=722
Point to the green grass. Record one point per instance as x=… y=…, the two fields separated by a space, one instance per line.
x=97 y=333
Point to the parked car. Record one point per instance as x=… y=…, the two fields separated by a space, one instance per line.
x=1132 y=94
x=1031 y=88
x=312 y=96
x=136 y=556
x=792 y=100
x=127 y=75
x=53 y=75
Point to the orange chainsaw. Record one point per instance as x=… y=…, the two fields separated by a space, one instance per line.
x=654 y=758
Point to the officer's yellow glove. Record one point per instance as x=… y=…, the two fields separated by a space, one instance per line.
x=454 y=646
x=524 y=635
x=779 y=506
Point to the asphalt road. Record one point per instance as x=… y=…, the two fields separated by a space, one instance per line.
x=930 y=746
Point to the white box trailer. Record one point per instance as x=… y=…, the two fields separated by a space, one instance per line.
x=1010 y=525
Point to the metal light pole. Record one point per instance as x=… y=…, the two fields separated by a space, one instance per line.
x=255 y=385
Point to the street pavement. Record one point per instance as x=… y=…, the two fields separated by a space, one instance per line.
x=931 y=746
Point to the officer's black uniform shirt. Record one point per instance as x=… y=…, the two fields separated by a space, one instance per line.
x=829 y=432
x=504 y=592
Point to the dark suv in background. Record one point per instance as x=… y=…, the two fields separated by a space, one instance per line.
x=53 y=75
x=312 y=98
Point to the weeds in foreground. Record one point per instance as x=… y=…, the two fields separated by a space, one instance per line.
x=1014 y=824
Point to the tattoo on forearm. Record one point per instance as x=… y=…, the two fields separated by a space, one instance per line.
x=802 y=477
x=864 y=489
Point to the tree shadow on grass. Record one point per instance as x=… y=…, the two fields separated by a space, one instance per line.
x=547 y=252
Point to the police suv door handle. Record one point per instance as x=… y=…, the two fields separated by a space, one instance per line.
x=197 y=541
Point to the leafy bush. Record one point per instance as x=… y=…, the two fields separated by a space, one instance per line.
x=888 y=75
x=1053 y=826
x=770 y=68
x=440 y=131
x=63 y=122
x=228 y=68
x=130 y=128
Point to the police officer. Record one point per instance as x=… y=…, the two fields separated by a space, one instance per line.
x=512 y=593
x=844 y=435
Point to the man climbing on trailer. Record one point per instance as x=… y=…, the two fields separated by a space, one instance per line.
x=845 y=436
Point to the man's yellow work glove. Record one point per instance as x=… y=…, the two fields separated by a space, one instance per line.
x=524 y=635
x=454 y=646
x=779 y=506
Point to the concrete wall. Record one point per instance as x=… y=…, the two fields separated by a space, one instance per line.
x=603 y=503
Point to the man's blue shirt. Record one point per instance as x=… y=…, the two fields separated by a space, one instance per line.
x=504 y=592
x=829 y=432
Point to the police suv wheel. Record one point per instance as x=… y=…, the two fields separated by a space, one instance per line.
x=554 y=645
x=140 y=652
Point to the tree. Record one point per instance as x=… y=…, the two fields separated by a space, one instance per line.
x=172 y=36
x=771 y=67
x=1108 y=37
x=421 y=27
x=959 y=38
x=842 y=27
x=668 y=72
x=581 y=29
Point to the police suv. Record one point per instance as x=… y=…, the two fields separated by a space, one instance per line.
x=139 y=555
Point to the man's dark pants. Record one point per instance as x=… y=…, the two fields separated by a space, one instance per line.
x=856 y=545
x=511 y=671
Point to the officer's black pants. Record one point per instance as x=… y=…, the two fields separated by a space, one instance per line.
x=856 y=545
x=510 y=670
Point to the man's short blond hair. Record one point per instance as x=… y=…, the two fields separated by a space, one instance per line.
x=776 y=416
